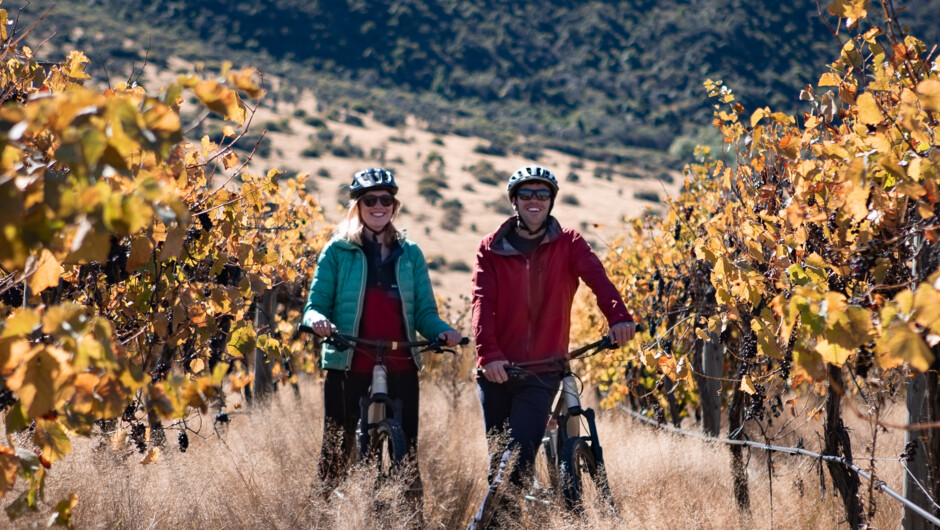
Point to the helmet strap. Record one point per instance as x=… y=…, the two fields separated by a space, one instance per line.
x=521 y=226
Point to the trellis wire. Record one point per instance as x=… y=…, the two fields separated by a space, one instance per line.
x=879 y=485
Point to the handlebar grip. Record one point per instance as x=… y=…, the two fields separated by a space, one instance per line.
x=303 y=328
x=464 y=341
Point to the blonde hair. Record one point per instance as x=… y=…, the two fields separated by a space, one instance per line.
x=351 y=227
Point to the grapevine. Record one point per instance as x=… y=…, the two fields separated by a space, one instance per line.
x=131 y=255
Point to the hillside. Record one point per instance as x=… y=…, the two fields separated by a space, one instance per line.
x=452 y=193
x=579 y=76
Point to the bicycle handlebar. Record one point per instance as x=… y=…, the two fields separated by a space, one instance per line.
x=594 y=348
x=344 y=341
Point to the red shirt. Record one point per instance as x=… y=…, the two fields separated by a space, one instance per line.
x=382 y=320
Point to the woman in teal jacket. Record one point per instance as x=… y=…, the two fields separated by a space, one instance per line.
x=370 y=282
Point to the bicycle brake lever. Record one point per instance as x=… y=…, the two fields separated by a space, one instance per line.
x=338 y=342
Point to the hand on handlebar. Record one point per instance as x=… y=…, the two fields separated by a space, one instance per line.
x=450 y=337
x=323 y=328
x=622 y=333
x=495 y=372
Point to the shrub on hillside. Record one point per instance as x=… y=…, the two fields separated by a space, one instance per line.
x=453 y=214
x=500 y=206
x=494 y=148
x=485 y=173
x=650 y=196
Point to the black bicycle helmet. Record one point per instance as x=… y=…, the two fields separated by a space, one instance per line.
x=531 y=174
x=374 y=178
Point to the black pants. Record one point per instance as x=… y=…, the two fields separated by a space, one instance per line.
x=518 y=408
x=341 y=393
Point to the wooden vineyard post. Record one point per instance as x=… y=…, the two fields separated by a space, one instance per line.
x=264 y=321
x=916 y=450
x=710 y=385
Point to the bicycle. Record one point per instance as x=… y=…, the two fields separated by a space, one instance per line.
x=381 y=437
x=568 y=456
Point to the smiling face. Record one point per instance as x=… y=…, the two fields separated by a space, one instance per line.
x=377 y=216
x=533 y=211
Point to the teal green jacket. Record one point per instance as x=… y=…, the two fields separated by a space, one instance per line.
x=339 y=286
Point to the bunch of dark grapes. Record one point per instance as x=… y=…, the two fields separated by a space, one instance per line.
x=159 y=372
x=749 y=347
x=861 y=264
x=183 y=440
x=222 y=417
x=864 y=359
x=659 y=414
x=139 y=436
x=910 y=451
x=755 y=403
x=7 y=398
x=130 y=413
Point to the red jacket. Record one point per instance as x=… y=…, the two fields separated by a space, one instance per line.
x=522 y=306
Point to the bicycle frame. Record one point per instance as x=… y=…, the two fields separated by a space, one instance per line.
x=373 y=409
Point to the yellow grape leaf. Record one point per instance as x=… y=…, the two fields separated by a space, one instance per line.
x=927 y=307
x=241 y=342
x=152 y=456
x=83 y=399
x=70 y=313
x=174 y=243
x=22 y=322
x=75 y=65
x=9 y=464
x=868 y=111
x=88 y=245
x=161 y=400
x=12 y=351
x=112 y=397
x=808 y=365
x=228 y=131
x=221 y=100
x=899 y=344
x=48 y=272
x=829 y=79
x=244 y=80
x=929 y=92
x=37 y=380
x=230 y=160
x=747 y=385
x=856 y=200
x=758 y=116
x=853 y=9
x=925 y=210
x=684 y=369
x=831 y=352
x=52 y=440
x=197 y=365
x=63 y=510
x=668 y=366
x=141 y=253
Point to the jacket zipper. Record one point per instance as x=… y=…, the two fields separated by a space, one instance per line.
x=362 y=298
x=404 y=310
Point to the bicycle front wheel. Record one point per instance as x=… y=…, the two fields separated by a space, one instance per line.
x=579 y=467
x=387 y=445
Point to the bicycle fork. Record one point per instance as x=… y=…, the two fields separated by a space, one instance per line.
x=374 y=407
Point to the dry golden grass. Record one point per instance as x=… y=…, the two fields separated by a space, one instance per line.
x=260 y=473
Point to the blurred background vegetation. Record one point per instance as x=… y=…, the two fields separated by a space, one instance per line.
x=593 y=79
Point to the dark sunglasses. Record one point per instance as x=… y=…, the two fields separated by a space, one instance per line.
x=370 y=200
x=526 y=195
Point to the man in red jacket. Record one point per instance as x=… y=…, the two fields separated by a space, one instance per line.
x=524 y=283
